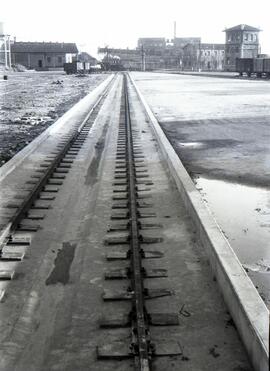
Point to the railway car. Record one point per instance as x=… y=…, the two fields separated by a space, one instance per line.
x=80 y=68
x=266 y=66
x=256 y=66
x=245 y=65
x=70 y=68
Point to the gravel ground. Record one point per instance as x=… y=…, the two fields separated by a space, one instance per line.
x=32 y=101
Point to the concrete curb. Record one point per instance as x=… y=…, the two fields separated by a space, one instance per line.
x=246 y=307
x=90 y=98
x=201 y=74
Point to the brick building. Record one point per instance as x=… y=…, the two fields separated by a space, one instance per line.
x=152 y=45
x=180 y=42
x=42 y=55
x=204 y=56
x=242 y=41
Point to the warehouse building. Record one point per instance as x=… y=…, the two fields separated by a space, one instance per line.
x=43 y=55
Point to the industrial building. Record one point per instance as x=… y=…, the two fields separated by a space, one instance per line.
x=43 y=55
x=151 y=53
x=152 y=45
x=187 y=53
x=242 y=41
x=204 y=56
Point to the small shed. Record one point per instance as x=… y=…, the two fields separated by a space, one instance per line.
x=43 y=55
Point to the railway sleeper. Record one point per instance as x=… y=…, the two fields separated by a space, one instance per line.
x=125 y=320
x=120 y=255
x=113 y=295
x=126 y=273
x=120 y=350
x=126 y=240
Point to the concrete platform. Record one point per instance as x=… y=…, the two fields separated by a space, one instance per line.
x=246 y=306
x=220 y=130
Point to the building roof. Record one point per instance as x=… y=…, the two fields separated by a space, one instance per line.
x=119 y=51
x=152 y=39
x=44 y=47
x=205 y=46
x=212 y=46
x=85 y=57
x=242 y=27
x=180 y=42
x=187 y=39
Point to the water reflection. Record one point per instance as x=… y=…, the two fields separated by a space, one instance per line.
x=191 y=144
x=243 y=213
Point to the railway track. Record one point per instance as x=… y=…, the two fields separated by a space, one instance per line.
x=131 y=183
x=44 y=185
x=115 y=270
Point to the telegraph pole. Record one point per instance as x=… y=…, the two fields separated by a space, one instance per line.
x=143 y=58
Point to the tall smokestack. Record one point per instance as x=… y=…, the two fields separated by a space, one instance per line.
x=174 y=29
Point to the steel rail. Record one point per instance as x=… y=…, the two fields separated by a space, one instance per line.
x=139 y=321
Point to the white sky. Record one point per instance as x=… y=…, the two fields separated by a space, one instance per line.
x=119 y=23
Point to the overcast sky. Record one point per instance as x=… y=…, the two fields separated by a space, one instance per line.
x=119 y=23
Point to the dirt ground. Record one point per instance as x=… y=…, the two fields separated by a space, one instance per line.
x=32 y=101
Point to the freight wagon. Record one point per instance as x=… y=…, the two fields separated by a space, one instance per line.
x=253 y=66
x=81 y=68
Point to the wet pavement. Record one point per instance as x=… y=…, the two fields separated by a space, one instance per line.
x=243 y=212
x=220 y=130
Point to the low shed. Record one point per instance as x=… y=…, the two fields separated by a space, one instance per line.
x=42 y=55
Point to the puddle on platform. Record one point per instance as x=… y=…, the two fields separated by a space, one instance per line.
x=191 y=144
x=243 y=214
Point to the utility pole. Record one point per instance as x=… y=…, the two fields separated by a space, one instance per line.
x=5 y=52
x=143 y=58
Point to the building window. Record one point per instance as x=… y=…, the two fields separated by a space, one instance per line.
x=59 y=59
x=255 y=37
x=251 y=37
x=49 y=59
x=246 y=36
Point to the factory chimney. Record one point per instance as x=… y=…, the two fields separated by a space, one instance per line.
x=174 y=29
